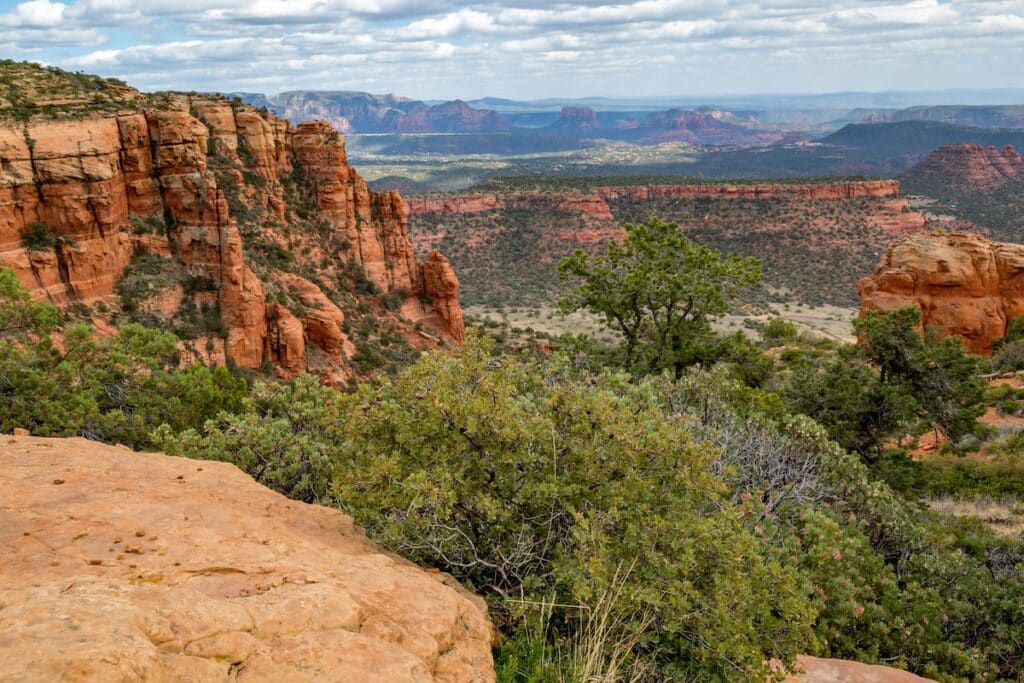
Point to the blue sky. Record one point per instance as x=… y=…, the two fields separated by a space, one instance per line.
x=526 y=48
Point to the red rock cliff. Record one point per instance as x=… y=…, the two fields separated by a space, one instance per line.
x=594 y=202
x=89 y=184
x=963 y=284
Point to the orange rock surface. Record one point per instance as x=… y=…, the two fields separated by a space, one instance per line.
x=87 y=181
x=964 y=284
x=132 y=566
x=817 y=670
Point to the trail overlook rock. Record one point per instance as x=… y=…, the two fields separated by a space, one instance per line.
x=131 y=566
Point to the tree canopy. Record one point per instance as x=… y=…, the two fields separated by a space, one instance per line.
x=660 y=290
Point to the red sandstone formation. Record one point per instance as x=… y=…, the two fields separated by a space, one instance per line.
x=442 y=287
x=701 y=128
x=453 y=204
x=968 y=168
x=894 y=216
x=964 y=284
x=87 y=181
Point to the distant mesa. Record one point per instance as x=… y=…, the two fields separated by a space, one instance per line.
x=580 y=119
x=956 y=169
x=979 y=116
x=815 y=238
x=708 y=127
x=361 y=112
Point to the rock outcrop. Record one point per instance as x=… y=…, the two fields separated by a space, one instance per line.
x=701 y=128
x=964 y=284
x=131 y=566
x=80 y=198
x=959 y=169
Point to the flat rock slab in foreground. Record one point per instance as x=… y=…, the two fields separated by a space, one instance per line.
x=129 y=566
x=818 y=670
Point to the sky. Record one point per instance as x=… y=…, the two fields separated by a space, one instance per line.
x=444 y=49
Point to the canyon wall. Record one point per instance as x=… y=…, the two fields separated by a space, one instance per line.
x=964 y=284
x=814 y=239
x=76 y=197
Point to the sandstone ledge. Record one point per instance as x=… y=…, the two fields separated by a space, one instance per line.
x=130 y=566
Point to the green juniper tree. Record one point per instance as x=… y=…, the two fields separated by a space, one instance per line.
x=660 y=290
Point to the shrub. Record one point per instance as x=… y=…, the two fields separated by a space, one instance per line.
x=543 y=485
x=779 y=332
x=1009 y=356
x=39 y=237
x=391 y=302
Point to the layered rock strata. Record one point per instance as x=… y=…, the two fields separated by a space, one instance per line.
x=968 y=168
x=76 y=197
x=595 y=202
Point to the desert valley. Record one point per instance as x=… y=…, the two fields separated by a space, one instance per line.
x=299 y=382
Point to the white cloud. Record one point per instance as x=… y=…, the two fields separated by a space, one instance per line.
x=35 y=14
x=442 y=48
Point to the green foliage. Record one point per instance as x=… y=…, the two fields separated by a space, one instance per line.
x=524 y=484
x=845 y=395
x=39 y=237
x=779 y=332
x=115 y=389
x=392 y=301
x=267 y=449
x=659 y=290
x=20 y=317
x=867 y=393
x=1008 y=352
x=710 y=527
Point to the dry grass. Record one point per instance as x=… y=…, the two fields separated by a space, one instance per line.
x=603 y=647
x=830 y=322
x=1005 y=518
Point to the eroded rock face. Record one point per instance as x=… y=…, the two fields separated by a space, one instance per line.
x=130 y=566
x=578 y=119
x=963 y=284
x=94 y=182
